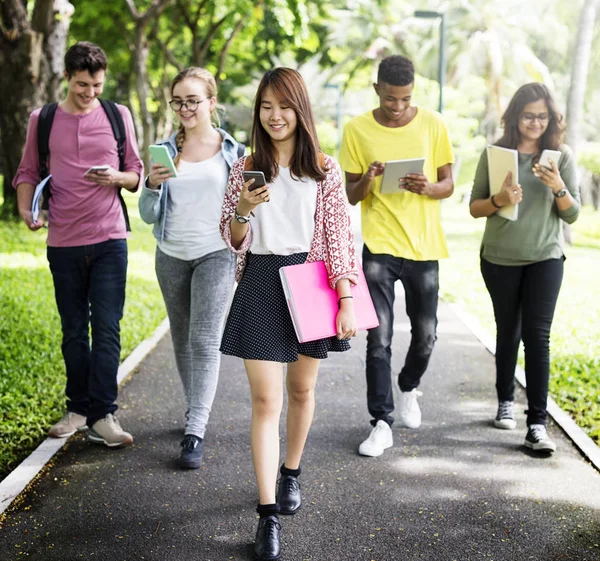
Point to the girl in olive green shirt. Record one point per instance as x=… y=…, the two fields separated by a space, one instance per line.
x=522 y=260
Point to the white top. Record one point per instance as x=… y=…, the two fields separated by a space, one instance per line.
x=194 y=209
x=286 y=224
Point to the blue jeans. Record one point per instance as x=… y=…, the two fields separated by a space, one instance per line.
x=89 y=286
x=421 y=283
x=524 y=299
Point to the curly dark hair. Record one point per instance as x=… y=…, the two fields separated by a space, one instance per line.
x=530 y=93
x=85 y=56
x=396 y=70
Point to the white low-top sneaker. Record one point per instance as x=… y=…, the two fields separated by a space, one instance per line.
x=68 y=425
x=379 y=439
x=409 y=412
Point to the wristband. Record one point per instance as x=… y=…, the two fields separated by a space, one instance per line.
x=340 y=300
x=493 y=201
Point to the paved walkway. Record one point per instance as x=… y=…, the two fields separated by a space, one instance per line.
x=455 y=489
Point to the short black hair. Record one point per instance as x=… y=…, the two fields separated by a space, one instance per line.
x=396 y=70
x=85 y=56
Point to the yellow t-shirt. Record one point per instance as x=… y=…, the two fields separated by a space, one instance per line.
x=403 y=224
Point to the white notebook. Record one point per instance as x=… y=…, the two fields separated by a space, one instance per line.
x=500 y=162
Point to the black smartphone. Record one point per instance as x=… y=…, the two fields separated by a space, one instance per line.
x=259 y=179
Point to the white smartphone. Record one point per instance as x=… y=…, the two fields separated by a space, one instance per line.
x=160 y=155
x=548 y=155
x=94 y=169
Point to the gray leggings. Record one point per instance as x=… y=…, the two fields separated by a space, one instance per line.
x=196 y=294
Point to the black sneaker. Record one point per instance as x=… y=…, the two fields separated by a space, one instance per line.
x=288 y=494
x=191 y=452
x=505 y=418
x=266 y=544
x=537 y=439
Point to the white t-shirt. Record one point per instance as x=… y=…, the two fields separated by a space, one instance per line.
x=194 y=209
x=286 y=224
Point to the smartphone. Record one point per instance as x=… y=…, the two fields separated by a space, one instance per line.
x=160 y=155
x=94 y=169
x=259 y=179
x=547 y=155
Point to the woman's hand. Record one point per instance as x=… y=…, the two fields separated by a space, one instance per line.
x=345 y=322
x=249 y=200
x=549 y=177
x=510 y=193
x=158 y=174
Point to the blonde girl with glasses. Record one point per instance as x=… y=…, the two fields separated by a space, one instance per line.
x=522 y=260
x=195 y=270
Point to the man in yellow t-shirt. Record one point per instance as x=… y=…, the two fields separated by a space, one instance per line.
x=402 y=233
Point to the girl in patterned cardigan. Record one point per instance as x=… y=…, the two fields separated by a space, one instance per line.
x=300 y=215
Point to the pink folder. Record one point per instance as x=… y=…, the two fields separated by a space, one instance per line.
x=314 y=306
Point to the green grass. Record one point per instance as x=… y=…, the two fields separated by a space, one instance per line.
x=575 y=340
x=31 y=369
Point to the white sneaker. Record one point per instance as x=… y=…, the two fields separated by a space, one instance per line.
x=68 y=425
x=505 y=418
x=409 y=412
x=379 y=439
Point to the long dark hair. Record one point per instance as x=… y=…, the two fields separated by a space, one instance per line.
x=287 y=86
x=529 y=93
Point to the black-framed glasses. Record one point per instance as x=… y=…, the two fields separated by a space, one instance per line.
x=189 y=104
x=530 y=117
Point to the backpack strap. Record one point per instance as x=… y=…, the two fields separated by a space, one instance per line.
x=241 y=150
x=44 y=126
x=118 y=127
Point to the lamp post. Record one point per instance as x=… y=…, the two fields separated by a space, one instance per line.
x=442 y=65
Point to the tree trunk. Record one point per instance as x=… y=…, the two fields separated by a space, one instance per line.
x=31 y=58
x=581 y=62
x=142 y=89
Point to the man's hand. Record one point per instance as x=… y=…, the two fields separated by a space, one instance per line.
x=106 y=177
x=416 y=183
x=27 y=217
x=375 y=168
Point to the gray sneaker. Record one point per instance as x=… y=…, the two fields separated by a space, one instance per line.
x=68 y=425
x=108 y=431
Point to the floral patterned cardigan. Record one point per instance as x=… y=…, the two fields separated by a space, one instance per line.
x=333 y=240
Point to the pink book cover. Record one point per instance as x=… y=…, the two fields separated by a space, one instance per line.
x=313 y=304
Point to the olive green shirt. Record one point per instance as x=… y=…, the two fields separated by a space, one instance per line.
x=537 y=234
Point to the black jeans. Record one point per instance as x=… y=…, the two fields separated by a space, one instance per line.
x=89 y=285
x=524 y=299
x=421 y=283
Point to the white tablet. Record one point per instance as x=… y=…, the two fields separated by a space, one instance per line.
x=396 y=169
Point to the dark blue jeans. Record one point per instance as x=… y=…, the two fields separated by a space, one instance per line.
x=524 y=299
x=89 y=285
x=421 y=283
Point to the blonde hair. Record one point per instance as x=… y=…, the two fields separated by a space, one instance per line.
x=210 y=83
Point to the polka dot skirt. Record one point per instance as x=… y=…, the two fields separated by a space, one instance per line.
x=259 y=325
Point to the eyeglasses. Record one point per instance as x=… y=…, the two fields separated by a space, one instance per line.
x=531 y=117
x=189 y=104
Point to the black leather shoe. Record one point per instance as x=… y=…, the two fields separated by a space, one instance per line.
x=288 y=494
x=266 y=545
x=191 y=452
